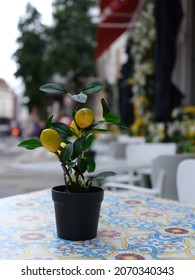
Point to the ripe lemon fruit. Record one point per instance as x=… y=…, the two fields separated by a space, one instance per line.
x=84 y=117
x=63 y=145
x=74 y=127
x=50 y=139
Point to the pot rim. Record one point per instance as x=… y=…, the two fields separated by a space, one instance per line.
x=59 y=189
x=88 y=197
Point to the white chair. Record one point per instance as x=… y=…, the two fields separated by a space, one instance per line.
x=154 y=191
x=186 y=180
x=139 y=159
x=141 y=156
x=103 y=146
x=127 y=139
x=122 y=141
x=169 y=164
x=163 y=177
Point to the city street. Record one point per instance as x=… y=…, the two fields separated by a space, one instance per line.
x=24 y=171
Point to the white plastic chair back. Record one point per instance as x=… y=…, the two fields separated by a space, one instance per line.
x=167 y=165
x=126 y=139
x=142 y=155
x=164 y=170
x=105 y=145
x=122 y=141
x=186 y=180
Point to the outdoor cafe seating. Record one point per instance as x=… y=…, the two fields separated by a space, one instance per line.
x=186 y=180
x=139 y=158
x=136 y=222
x=165 y=179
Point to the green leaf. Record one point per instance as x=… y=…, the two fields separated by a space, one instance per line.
x=122 y=125
x=62 y=128
x=48 y=122
x=83 y=165
x=92 y=87
x=30 y=144
x=90 y=164
x=78 y=170
x=73 y=115
x=81 y=98
x=94 y=125
x=53 y=88
x=112 y=118
x=79 y=147
x=105 y=107
x=89 y=141
x=103 y=175
x=66 y=153
x=99 y=130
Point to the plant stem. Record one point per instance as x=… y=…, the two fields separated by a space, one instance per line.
x=78 y=165
x=66 y=172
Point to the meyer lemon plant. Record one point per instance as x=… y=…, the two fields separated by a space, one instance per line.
x=69 y=143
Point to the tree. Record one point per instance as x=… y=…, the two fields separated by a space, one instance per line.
x=66 y=48
x=29 y=56
x=72 y=39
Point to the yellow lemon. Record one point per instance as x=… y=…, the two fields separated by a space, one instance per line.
x=50 y=139
x=84 y=117
x=63 y=145
x=74 y=127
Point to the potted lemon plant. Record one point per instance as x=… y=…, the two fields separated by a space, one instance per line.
x=77 y=202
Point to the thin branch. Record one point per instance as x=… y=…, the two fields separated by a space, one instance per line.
x=66 y=172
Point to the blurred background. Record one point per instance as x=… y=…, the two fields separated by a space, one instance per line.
x=141 y=49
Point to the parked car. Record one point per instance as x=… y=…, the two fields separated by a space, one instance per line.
x=5 y=126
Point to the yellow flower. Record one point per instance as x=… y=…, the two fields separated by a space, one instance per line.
x=189 y=110
x=143 y=100
x=136 y=111
x=161 y=133
x=139 y=122
x=131 y=81
x=191 y=134
x=136 y=125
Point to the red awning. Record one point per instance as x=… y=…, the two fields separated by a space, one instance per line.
x=116 y=18
x=104 y=4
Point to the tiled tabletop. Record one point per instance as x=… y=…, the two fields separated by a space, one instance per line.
x=131 y=226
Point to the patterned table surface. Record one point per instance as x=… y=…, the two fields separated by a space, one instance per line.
x=131 y=226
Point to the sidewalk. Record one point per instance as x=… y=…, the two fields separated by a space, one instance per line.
x=29 y=171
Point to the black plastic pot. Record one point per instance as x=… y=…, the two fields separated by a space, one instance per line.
x=77 y=214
